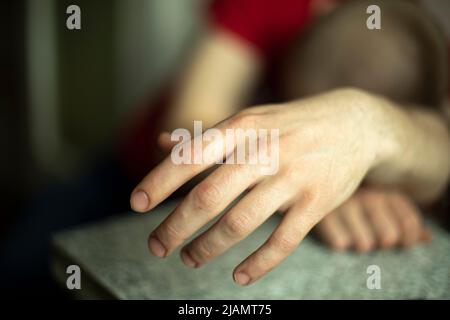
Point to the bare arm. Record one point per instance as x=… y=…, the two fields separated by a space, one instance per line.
x=381 y=218
x=417 y=151
x=216 y=82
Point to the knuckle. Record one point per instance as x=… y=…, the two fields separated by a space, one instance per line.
x=408 y=221
x=169 y=235
x=236 y=121
x=206 y=196
x=284 y=243
x=202 y=252
x=243 y=119
x=289 y=172
x=388 y=239
x=364 y=240
x=363 y=245
x=340 y=243
x=184 y=215
x=310 y=199
x=236 y=225
x=310 y=195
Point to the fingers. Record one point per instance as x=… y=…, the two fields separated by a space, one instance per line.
x=380 y=217
x=208 y=199
x=374 y=218
x=408 y=220
x=248 y=214
x=391 y=217
x=358 y=226
x=164 y=141
x=284 y=240
x=168 y=176
x=332 y=231
x=204 y=151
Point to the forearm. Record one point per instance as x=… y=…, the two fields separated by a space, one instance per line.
x=216 y=81
x=415 y=150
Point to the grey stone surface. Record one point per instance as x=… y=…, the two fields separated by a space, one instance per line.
x=114 y=253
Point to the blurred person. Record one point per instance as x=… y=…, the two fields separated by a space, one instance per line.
x=354 y=105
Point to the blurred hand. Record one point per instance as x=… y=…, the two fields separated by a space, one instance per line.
x=371 y=219
x=327 y=144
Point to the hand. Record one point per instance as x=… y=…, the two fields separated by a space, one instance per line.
x=327 y=144
x=373 y=218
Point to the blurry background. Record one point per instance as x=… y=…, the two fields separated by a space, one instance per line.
x=65 y=93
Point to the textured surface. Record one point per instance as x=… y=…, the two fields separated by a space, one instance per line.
x=115 y=254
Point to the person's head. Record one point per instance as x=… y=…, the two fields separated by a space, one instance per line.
x=406 y=60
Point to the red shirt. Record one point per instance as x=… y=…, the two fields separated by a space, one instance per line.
x=267 y=25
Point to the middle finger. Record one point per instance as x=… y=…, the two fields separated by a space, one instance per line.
x=250 y=212
x=203 y=203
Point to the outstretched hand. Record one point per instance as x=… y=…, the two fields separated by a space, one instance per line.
x=327 y=144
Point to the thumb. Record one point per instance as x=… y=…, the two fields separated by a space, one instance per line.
x=164 y=142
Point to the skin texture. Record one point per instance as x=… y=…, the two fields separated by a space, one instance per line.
x=328 y=144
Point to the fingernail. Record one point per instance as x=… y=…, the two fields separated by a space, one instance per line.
x=156 y=247
x=139 y=201
x=242 y=278
x=187 y=260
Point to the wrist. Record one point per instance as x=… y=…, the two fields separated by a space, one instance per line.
x=380 y=127
x=388 y=124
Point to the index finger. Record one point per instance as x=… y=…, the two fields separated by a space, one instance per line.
x=169 y=175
